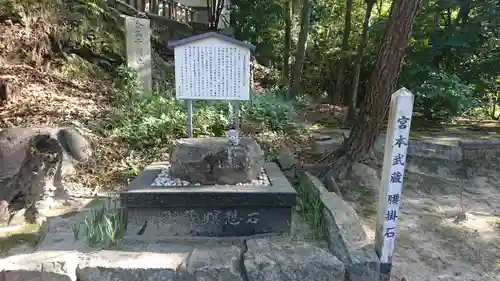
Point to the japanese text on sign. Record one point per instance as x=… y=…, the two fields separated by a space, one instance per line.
x=211 y=69
x=397 y=142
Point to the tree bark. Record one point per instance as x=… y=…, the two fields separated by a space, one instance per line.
x=339 y=84
x=382 y=83
x=288 y=38
x=301 y=48
x=351 y=113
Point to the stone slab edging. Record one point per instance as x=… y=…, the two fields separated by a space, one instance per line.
x=346 y=237
x=257 y=260
x=448 y=278
x=463 y=149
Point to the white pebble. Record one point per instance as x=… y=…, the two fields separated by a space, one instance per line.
x=165 y=179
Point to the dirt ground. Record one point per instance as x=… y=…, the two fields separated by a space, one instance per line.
x=434 y=237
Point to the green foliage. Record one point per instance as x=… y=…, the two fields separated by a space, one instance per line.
x=94 y=25
x=454 y=44
x=106 y=227
x=271 y=109
x=310 y=208
x=450 y=64
x=443 y=96
x=147 y=120
x=259 y=22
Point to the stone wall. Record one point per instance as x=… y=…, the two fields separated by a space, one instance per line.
x=480 y=149
x=457 y=151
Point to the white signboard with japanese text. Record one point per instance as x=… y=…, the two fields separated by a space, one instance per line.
x=212 y=69
x=397 y=138
x=138 y=48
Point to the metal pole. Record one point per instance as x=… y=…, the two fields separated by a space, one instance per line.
x=236 y=116
x=189 y=104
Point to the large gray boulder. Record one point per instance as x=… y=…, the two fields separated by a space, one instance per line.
x=268 y=261
x=26 y=157
x=213 y=161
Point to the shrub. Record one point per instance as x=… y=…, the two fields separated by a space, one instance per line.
x=443 y=96
x=271 y=109
x=151 y=120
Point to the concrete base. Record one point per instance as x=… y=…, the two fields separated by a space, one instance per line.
x=208 y=210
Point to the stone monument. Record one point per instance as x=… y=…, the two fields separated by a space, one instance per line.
x=211 y=186
x=138 y=48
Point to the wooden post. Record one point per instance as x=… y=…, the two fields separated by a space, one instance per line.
x=396 y=144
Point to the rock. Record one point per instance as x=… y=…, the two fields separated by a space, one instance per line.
x=366 y=176
x=267 y=261
x=130 y=266
x=207 y=161
x=326 y=146
x=4 y=92
x=289 y=165
x=40 y=266
x=75 y=143
x=287 y=161
x=449 y=278
x=26 y=156
x=347 y=239
x=221 y=263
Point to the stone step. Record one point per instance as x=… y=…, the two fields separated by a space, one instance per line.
x=419 y=148
x=180 y=262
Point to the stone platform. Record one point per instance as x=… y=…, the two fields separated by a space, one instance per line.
x=228 y=210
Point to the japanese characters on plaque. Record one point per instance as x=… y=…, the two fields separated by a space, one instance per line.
x=227 y=217
x=138 y=48
x=212 y=69
x=393 y=171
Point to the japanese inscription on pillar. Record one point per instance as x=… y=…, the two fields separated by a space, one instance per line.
x=138 y=48
x=398 y=133
x=212 y=69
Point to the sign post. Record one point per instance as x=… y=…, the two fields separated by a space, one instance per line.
x=396 y=144
x=211 y=66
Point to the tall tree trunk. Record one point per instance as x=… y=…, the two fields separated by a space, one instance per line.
x=288 y=38
x=339 y=83
x=301 y=48
x=382 y=83
x=351 y=113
